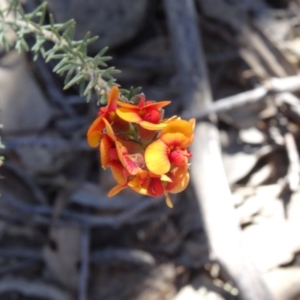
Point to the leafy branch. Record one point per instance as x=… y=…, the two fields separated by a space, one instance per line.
x=92 y=74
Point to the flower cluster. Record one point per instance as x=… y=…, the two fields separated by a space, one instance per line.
x=144 y=151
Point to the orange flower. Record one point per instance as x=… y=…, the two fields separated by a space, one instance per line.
x=107 y=113
x=110 y=158
x=179 y=179
x=94 y=133
x=170 y=147
x=153 y=186
x=119 y=174
x=108 y=151
x=146 y=183
x=115 y=155
x=132 y=162
x=147 y=114
x=145 y=152
x=128 y=153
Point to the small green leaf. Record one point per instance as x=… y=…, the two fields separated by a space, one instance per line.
x=36 y=56
x=63 y=69
x=18 y=47
x=92 y=40
x=106 y=58
x=34 y=13
x=91 y=84
x=88 y=97
x=102 y=52
x=101 y=64
x=60 y=64
x=43 y=14
x=69 y=74
x=81 y=87
x=69 y=33
x=75 y=80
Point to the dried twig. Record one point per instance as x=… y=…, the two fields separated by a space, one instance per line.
x=266 y=59
x=207 y=172
x=26 y=253
x=34 y=289
x=274 y=85
x=48 y=142
x=17 y=267
x=119 y=255
x=292 y=102
x=38 y=213
x=21 y=174
x=293 y=176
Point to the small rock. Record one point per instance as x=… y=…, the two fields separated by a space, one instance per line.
x=251 y=135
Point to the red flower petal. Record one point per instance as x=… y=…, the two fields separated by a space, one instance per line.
x=155 y=187
x=152 y=116
x=179 y=157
